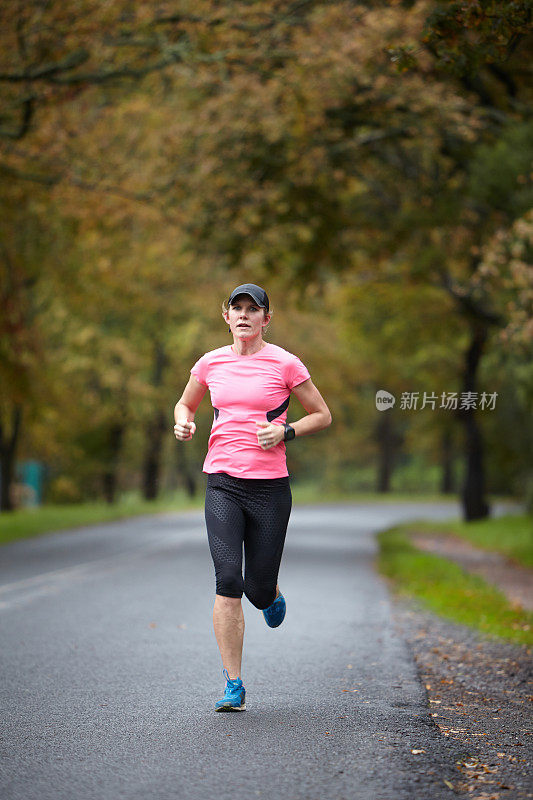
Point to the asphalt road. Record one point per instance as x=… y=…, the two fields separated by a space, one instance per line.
x=110 y=669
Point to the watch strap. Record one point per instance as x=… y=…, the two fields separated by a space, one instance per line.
x=290 y=433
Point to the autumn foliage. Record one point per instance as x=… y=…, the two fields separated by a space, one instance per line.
x=369 y=163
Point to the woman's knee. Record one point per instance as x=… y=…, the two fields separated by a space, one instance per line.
x=229 y=582
x=261 y=594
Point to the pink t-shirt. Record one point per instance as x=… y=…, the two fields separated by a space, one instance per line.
x=245 y=390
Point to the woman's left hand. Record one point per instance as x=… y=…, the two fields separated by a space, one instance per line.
x=269 y=434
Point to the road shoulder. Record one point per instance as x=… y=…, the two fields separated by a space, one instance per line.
x=513 y=580
x=479 y=693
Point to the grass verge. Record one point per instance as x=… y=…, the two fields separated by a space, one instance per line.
x=446 y=589
x=511 y=535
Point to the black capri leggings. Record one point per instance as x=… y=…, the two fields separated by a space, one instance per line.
x=254 y=512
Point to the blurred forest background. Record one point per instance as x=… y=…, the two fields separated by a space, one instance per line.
x=369 y=164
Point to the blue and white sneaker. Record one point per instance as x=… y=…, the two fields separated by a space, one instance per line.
x=234 y=695
x=275 y=613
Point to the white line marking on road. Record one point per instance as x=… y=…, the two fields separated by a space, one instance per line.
x=28 y=589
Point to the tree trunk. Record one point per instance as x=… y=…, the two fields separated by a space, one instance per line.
x=473 y=491
x=109 y=478
x=152 y=459
x=155 y=431
x=8 y=449
x=448 y=478
x=385 y=453
x=186 y=476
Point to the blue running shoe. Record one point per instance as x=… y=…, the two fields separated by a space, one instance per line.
x=275 y=613
x=234 y=695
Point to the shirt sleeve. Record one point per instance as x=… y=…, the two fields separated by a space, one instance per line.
x=295 y=372
x=199 y=370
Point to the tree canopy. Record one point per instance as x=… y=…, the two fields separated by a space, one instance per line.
x=370 y=163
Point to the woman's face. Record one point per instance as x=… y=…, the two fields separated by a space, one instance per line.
x=245 y=318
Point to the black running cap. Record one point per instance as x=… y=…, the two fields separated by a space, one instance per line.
x=255 y=292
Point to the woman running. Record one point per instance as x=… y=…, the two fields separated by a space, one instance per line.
x=248 y=498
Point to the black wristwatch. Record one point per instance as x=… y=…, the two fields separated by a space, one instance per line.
x=290 y=433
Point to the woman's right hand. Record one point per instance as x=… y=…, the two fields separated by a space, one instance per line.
x=184 y=430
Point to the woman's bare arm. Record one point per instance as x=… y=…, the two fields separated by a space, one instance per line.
x=318 y=414
x=185 y=409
